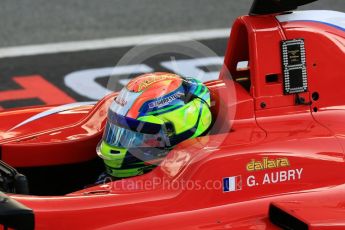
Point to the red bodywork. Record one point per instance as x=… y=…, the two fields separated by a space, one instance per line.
x=274 y=149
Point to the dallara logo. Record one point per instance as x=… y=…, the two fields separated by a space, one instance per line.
x=267 y=163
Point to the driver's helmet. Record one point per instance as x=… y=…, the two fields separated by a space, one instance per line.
x=151 y=114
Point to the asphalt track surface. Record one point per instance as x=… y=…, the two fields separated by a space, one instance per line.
x=43 y=79
x=42 y=21
x=46 y=79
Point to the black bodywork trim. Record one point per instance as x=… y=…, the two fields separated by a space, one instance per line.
x=261 y=7
x=11 y=181
x=15 y=215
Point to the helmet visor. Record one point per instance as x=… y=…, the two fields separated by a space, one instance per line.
x=115 y=135
x=134 y=124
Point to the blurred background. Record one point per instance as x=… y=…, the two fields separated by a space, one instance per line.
x=41 y=21
x=38 y=79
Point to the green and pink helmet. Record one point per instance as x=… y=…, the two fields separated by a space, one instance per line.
x=152 y=114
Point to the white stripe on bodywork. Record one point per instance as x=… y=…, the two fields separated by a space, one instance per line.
x=324 y=16
x=53 y=111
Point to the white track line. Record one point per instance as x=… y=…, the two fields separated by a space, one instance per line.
x=112 y=42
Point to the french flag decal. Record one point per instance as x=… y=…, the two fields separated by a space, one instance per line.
x=232 y=184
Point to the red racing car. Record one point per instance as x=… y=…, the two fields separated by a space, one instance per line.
x=273 y=159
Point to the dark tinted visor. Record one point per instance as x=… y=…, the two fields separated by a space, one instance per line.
x=133 y=124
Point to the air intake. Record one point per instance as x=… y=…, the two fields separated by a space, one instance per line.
x=284 y=220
